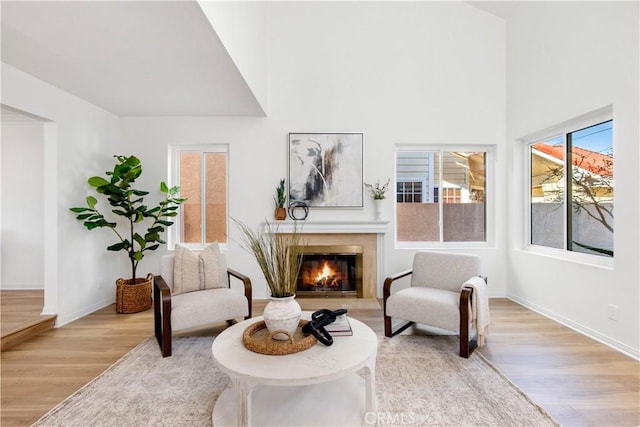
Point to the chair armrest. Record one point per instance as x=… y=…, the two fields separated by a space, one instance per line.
x=162 y=314
x=246 y=281
x=160 y=288
x=386 y=288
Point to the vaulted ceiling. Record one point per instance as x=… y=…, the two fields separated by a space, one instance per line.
x=132 y=58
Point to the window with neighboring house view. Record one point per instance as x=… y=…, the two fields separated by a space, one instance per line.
x=440 y=195
x=571 y=188
x=201 y=173
x=410 y=191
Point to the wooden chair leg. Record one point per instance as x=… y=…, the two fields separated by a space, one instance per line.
x=166 y=343
x=466 y=345
x=387 y=326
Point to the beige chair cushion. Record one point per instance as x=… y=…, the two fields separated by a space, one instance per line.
x=443 y=270
x=195 y=271
x=434 y=307
x=197 y=309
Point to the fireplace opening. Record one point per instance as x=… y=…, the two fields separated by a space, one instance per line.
x=330 y=271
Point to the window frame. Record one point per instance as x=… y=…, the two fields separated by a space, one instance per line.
x=490 y=151
x=413 y=180
x=560 y=130
x=173 y=157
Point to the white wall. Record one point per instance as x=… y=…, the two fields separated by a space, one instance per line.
x=423 y=72
x=242 y=28
x=565 y=59
x=79 y=274
x=22 y=206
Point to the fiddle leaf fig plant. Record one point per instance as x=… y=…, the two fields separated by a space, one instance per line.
x=128 y=203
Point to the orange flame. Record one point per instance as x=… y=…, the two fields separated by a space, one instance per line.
x=325 y=272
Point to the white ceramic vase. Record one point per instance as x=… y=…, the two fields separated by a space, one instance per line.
x=377 y=205
x=282 y=314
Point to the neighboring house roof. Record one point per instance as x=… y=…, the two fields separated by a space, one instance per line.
x=594 y=162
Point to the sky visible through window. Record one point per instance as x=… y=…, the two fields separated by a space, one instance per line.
x=598 y=138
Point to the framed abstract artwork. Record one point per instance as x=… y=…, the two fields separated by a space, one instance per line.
x=326 y=169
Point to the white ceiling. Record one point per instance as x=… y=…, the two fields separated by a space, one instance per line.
x=134 y=58
x=144 y=58
x=502 y=9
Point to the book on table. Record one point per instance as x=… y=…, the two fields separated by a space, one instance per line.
x=341 y=327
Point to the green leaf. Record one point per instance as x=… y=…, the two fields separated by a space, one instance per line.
x=165 y=223
x=97 y=181
x=152 y=237
x=118 y=246
x=91 y=201
x=84 y=216
x=152 y=247
x=138 y=255
x=79 y=210
x=141 y=241
x=163 y=187
x=91 y=225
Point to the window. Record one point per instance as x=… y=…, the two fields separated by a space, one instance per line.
x=410 y=191
x=201 y=173
x=440 y=195
x=571 y=187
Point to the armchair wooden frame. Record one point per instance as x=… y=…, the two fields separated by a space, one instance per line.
x=467 y=345
x=162 y=308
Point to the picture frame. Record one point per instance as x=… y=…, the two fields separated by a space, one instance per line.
x=326 y=170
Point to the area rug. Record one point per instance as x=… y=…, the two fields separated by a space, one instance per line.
x=420 y=380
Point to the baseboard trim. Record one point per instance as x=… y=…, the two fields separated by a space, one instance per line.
x=22 y=287
x=63 y=320
x=608 y=341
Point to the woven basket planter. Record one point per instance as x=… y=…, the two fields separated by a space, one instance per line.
x=133 y=297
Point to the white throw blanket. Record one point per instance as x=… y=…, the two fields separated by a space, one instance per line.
x=479 y=306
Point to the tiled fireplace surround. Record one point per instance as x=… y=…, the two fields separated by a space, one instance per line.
x=368 y=234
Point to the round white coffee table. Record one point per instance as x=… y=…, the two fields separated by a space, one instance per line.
x=318 y=386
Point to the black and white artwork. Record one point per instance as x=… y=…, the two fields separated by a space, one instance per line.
x=326 y=169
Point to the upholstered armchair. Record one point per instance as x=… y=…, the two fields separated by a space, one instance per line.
x=446 y=291
x=193 y=290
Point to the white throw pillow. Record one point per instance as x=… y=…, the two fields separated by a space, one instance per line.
x=193 y=271
x=213 y=267
x=186 y=271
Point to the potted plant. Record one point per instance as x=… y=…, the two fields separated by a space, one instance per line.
x=134 y=294
x=378 y=193
x=279 y=256
x=280 y=199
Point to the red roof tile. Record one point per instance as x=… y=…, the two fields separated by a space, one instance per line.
x=591 y=161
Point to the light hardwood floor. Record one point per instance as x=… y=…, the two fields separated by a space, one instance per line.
x=577 y=380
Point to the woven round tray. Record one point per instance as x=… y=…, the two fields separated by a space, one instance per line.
x=257 y=338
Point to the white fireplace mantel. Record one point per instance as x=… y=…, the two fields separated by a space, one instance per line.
x=341 y=227
x=331 y=226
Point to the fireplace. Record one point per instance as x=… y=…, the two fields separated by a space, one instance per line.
x=330 y=271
